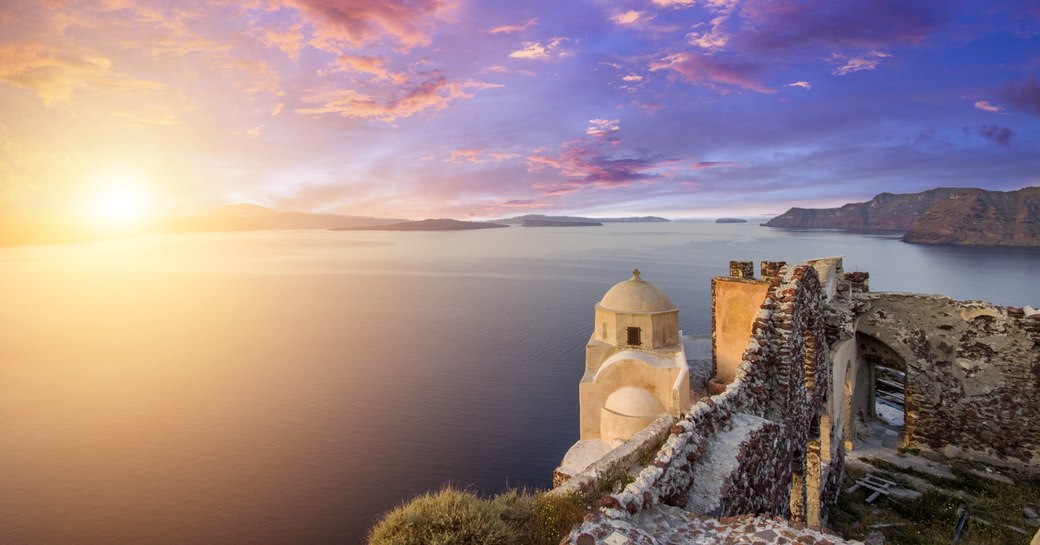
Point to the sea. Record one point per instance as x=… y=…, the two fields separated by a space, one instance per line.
x=289 y=387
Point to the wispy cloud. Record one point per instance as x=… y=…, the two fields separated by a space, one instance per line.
x=701 y=165
x=430 y=95
x=627 y=18
x=848 y=65
x=510 y=29
x=803 y=84
x=477 y=156
x=987 y=107
x=55 y=74
x=709 y=71
x=602 y=127
x=539 y=51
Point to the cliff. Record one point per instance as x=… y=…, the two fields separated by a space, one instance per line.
x=937 y=216
x=981 y=218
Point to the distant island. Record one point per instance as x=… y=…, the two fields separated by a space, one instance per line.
x=253 y=217
x=966 y=217
x=731 y=220
x=426 y=225
x=519 y=220
x=537 y=222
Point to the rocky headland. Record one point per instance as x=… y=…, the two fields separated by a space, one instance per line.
x=968 y=217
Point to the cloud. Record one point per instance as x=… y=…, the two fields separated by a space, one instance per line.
x=772 y=25
x=433 y=94
x=359 y=22
x=55 y=74
x=1025 y=96
x=632 y=78
x=673 y=3
x=998 y=135
x=591 y=161
x=536 y=50
x=627 y=17
x=509 y=29
x=712 y=39
x=460 y=156
x=987 y=107
x=375 y=66
x=290 y=41
x=714 y=164
x=868 y=61
x=602 y=127
x=803 y=84
x=701 y=69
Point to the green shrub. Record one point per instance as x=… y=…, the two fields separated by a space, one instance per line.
x=447 y=517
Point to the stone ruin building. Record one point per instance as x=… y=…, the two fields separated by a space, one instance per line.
x=797 y=357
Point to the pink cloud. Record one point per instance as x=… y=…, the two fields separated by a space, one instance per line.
x=433 y=94
x=585 y=160
x=701 y=69
x=509 y=29
x=478 y=156
x=987 y=107
x=803 y=84
x=359 y=22
x=376 y=66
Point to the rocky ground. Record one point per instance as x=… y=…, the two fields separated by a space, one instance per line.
x=1002 y=504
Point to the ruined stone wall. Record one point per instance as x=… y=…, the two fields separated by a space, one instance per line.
x=973 y=372
x=780 y=387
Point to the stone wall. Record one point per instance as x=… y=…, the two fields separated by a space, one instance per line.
x=972 y=372
x=773 y=407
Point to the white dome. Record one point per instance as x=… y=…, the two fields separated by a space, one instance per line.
x=633 y=401
x=636 y=296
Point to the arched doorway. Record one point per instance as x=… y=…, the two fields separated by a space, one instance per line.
x=880 y=395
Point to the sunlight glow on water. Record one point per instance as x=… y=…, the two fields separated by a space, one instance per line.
x=287 y=387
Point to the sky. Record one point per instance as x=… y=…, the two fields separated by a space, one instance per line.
x=487 y=108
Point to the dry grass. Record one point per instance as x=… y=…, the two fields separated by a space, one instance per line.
x=453 y=516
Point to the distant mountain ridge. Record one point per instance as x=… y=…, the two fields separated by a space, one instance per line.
x=961 y=216
x=427 y=225
x=519 y=220
x=253 y=217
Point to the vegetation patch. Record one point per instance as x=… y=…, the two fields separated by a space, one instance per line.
x=994 y=508
x=453 y=516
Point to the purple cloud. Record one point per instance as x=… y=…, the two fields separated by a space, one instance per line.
x=1025 y=96
x=707 y=70
x=998 y=135
x=769 y=24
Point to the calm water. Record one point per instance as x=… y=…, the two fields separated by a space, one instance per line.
x=288 y=387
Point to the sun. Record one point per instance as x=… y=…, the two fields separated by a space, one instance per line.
x=118 y=199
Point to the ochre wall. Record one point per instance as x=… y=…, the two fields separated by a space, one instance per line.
x=735 y=304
